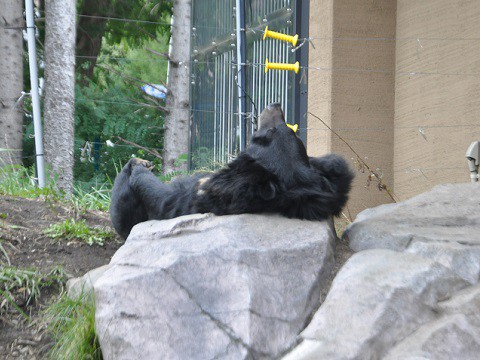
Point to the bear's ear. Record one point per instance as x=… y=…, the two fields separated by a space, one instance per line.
x=268 y=190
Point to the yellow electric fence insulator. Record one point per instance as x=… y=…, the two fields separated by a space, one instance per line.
x=293 y=127
x=282 y=66
x=280 y=36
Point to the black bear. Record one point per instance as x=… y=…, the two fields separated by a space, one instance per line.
x=273 y=175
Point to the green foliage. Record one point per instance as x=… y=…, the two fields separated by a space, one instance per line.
x=113 y=107
x=21 y=287
x=71 y=229
x=71 y=322
x=154 y=16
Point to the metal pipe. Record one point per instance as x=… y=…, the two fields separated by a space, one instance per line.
x=241 y=48
x=473 y=158
x=37 y=122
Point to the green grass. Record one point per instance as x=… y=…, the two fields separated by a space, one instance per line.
x=22 y=287
x=96 y=198
x=4 y=253
x=71 y=322
x=71 y=229
x=16 y=180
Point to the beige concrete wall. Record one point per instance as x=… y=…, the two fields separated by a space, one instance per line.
x=320 y=82
x=354 y=93
x=441 y=98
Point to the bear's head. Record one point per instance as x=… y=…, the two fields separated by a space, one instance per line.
x=270 y=117
x=277 y=148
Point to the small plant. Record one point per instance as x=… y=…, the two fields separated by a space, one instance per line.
x=4 y=252
x=78 y=230
x=21 y=287
x=71 y=323
x=96 y=198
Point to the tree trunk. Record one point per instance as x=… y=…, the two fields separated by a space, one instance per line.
x=177 y=121
x=11 y=81
x=90 y=31
x=59 y=102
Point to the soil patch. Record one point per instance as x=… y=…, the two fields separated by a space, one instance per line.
x=22 y=222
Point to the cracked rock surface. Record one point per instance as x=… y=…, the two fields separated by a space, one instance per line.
x=442 y=224
x=207 y=287
x=377 y=298
x=412 y=289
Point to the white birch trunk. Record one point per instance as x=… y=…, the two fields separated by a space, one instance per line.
x=59 y=103
x=177 y=121
x=11 y=81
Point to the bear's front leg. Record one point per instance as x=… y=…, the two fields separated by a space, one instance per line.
x=126 y=207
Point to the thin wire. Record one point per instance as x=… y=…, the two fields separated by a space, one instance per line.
x=325 y=69
x=411 y=38
x=457 y=169
x=383 y=129
x=374 y=129
x=152 y=105
x=114 y=145
x=313 y=37
x=125 y=20
x=120 y=58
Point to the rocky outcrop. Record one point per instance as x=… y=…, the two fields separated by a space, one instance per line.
x=246 y=286
x=442 y=224
x=411 y=291
x=454 y=335
x=378 y=298
x=207 y=287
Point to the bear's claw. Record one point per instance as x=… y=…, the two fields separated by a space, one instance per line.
x=141 y=162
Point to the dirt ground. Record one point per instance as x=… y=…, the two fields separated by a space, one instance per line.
x=22 y=222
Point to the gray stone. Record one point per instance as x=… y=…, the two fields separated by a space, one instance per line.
x=204 y=287
x=451 y=337
x=448 y=213
x=81 y=286
x=455 y=335
x=466 y=301
x=378 y=298
x=442 y=224
x=463 y=260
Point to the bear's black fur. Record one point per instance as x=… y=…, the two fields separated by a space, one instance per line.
x=273 y=175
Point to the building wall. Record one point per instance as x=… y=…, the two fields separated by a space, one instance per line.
x=353 y=92
x=437 y=86
x=320 y=82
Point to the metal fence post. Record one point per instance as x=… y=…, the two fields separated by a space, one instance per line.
x=32 y=60
x=241 y=73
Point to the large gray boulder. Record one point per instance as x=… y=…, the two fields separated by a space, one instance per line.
x=442 y=224
x=378 y=298
x=454 y=335
x=207 y=287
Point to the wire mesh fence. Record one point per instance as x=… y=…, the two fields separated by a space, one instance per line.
x=214 y=74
